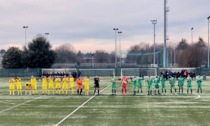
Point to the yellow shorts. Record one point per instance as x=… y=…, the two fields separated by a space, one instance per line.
x=58 y=86
x=11 y=87
x=34 y=87
x=44 y=87
x=65 y=86
x=51 y=86
x=19 y=87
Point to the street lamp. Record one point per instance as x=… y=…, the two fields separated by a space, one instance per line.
x=25 y=27
x=46 y=34
x=154 y=22
x=115 y=29
x=120 y=48
x=208 y=40
x=192 y=34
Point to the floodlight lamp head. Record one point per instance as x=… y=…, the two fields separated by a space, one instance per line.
x=115 y=28
x=208 y=17
x=154 y=21
x=119 y=32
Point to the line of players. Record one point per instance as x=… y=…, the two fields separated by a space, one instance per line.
x=61 y=86
x=137 y=85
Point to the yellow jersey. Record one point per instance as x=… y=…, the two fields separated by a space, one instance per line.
x=33 y=82
x=57 y=82
x=71 y=79
x=86 y=83
x=44 y=82
x=11 y=84
x=18 y=82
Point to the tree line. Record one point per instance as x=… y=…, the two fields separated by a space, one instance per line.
x=39 y=54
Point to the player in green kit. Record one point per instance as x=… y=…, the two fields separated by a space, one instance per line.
x=133 y=81
x=172 y=83
x=149 y=86
x=163 y=84
x=139 y=80
x=199 y=81
x=156 y=82
x=114 y=85
x=180 y=84
x=189 y=84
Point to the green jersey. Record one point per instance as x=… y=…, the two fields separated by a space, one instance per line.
x=133 y=81
x=180 y=81
x=149 y=82
x=163 y=80
x=140 y=82
x=156 y=81
x=189 y=82
x=114 y=82
x=199 y=82
x=172 y=80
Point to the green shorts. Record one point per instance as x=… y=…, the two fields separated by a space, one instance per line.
x=114 y=85
x=163 y=85
x=134 y=86
x=149 y=87
x=199 y=85
x=189 y=85
x=172 y=86
x=139 y=85
x=157 y=86
x=180 y=86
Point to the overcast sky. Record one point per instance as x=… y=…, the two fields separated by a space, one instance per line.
x=88 y=24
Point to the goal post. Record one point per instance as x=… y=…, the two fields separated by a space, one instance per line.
x=139 y=72
x=97 y=72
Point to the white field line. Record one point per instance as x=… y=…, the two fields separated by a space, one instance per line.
x=18 y=105
x=79 y=107
x=7 y=103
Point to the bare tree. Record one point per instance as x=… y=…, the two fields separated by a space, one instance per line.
x=65 y=54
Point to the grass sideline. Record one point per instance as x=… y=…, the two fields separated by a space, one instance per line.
x=105 y=110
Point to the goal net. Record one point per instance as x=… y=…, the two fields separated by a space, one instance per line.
x=97 y=72
x=139 y=72
x=58 y=72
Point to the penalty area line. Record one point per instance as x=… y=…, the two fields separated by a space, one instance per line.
x=79 y=107
x=19 y=105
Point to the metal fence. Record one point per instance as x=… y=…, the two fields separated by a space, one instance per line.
x=20 y=72
x=102 y=71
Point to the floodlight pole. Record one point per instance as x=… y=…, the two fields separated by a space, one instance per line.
x=25 y=27
x=154 y=22
x=120 y=48
x=192 y=34
x=115 y=29
x=208 y=40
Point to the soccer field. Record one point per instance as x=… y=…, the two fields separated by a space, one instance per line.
x=105 y=110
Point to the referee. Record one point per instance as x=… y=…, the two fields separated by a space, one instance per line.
x=96 y=84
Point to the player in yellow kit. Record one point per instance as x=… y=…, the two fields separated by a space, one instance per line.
x=44 y=85
x=65 y=84
x=11 y=86
x=71 y=79
x=87 y=86
x=19 y=85
x=58 y=85
x=51 y=85
x=34 y=85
